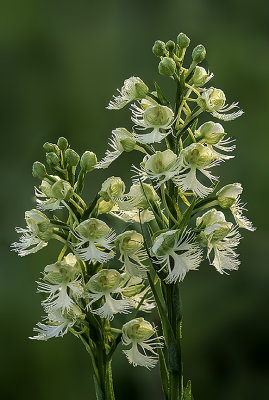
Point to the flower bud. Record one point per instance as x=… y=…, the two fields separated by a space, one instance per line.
x=210 y=132
x=138 y=330
x=228 y=195
x=167 y=66
x=62 y=190
x=199 y=155
x=161 y=161
x=51 y=148
x=112 y=188
x=170 y=47
x=39 y=224
x=183 y=41
x=71 y=157
x=212 y=99
x=62 y=143
x=129 y=242
x=158 y=48
x=39 y=170
x=128 y=144
x=88 y=161
x=104 y=281
x=93 y=229
x=199 y=53
x=200 y=77
x=52 y=159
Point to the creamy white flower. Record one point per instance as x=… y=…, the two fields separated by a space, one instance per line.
x=229 y=197
x=135 y=215
x=200 y=77
x=144 y=299
x=58 y=323
x=44 y=197
x=196 y=157
x=35 y=236
x=221 y=238
x=133 y=89
x=139 y=196
x=160 y=167
x=132 y=253
x=121 y=141
x=213 y=100
x=138 y=333
x=213 y=135
x=158 y=118
x=98 y=237
x=102 y=286
x=184 y=254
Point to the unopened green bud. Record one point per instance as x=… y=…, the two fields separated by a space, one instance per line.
x=62 y=143
x=51 y=148
x=62 y=190
x=158 y=48
x=39 y=170
x=52 y=159
x=71 y=157
x=167 y=66
x=138 y=330
x=170 y=47
x=199 y=53
x=88 y=161
x=183 y=41
x=112 y=188
x=104 y=281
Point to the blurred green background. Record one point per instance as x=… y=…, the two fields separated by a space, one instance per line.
x=61 y=61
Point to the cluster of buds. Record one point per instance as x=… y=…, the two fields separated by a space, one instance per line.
x=169 y=219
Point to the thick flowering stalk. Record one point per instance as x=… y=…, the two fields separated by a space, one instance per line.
x=130 y=248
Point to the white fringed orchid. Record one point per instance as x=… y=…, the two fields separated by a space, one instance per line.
x=61 y=283
x=121 y=141
x=213 y=135
x=138 y=333
x=160 y=167
x=200 y=77
x=213 y=100
x=101 y=286
x=139 y=197
x=58 y=323
x=229 y=197
x=177 y=253
x=221 y=238
x=196 y=157
x=133 y=89
x=132 y=254
x=35 y=236
x=44 y=198
x=98 y=238
x=157 y=118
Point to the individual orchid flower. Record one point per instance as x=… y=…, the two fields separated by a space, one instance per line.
x=138 y=333
x=196 y=157
x=121 y=141
x=221 y=238
x=58 y=323
x=133 y=89
x=44 y=198
x=139 y=296
x=158 y=118
x=213 y=100
x=35 y=236
x=132 y=254
x=179 y=254
x=213 y=135
x=160 y=167
x=229 y=197
x=200 y=77
x=95 y=240
x=62 y=284
x=139 y=196
x=102 y=286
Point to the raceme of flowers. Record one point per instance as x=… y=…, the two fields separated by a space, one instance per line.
x=173 y=216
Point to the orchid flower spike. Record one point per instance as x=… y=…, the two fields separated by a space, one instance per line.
x=213 y=100
x=133 y=89
x=158 y=118
x=35 y=236
x=229 y=197
x=101 y=286
x=138 y=333
x=98 y=238
x=179 y=254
